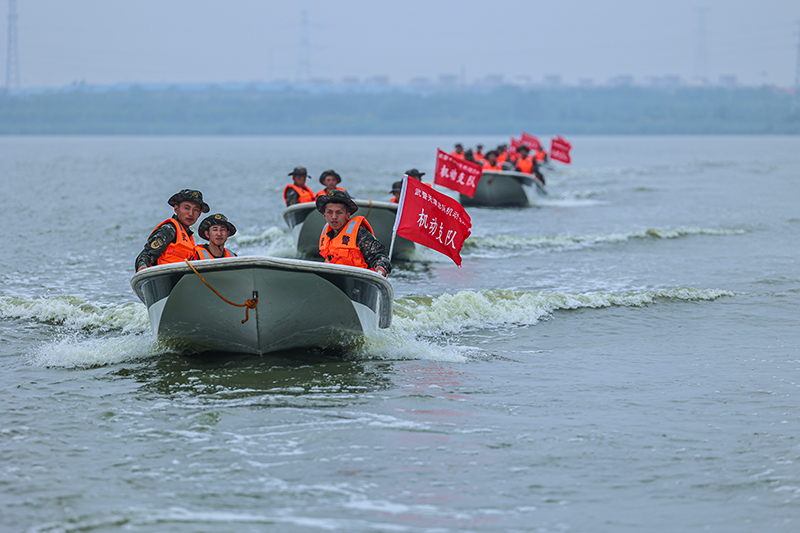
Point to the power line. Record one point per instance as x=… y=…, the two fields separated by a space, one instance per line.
x=12 y=51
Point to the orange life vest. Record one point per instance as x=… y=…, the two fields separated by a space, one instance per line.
x=541 y=155
x=305 y=194
x=478 y=157
x=343 y=249
x=502 y=156
x=182 y=248
x=394 y=200
x=525 y=165
x=323 y=192
x=456 y=154
x=204 y=253
x=488 y=166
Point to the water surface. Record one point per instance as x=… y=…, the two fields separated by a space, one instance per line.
x=622 y=357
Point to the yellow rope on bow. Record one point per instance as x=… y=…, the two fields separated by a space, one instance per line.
x=248 y=304
x=370 y=209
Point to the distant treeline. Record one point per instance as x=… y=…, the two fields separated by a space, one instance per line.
x=621 y=110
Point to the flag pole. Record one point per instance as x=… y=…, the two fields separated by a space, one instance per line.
x=397 y=217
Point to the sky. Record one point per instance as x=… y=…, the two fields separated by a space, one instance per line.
x=107 y=42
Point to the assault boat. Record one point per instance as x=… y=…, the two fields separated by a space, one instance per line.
x=292 y=303
x=505 y=188
x=306 y=224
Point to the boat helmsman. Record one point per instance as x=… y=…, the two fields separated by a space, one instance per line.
x=172 y=241
x=298 y=192
x=397 y=188
x=417 y=175
x=490 y=162
x=525 y=162
x=215 y=229
x=349 y=240
x=331 y=180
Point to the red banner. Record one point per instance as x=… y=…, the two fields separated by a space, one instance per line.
x=432 y=219
x=559 y=150
x=457 y=174
x=530 y=141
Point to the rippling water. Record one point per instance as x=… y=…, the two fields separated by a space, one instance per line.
x=622 y=357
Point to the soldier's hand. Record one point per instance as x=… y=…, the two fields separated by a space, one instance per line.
x=381 y=271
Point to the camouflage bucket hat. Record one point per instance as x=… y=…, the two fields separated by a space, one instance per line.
x=414 y=173
x=215 y=220
x=189 y=195
x=327 y=173
x=336 y=197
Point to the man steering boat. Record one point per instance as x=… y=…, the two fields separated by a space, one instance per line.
x=349 y=240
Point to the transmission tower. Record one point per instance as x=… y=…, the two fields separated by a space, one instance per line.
x=12 y=52
x=796 y=75
x=304 y=53
x=701 y=48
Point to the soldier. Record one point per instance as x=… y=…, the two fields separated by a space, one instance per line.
x=524 y=163
x=331 y=180
x=172 y=241
x=414 y=173
x=490 y=162
x=397 y=188
x=417 y=175
x=298 y=192
x=215 y=229
x=349 y=241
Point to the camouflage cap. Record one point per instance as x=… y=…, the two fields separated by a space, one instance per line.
x=336 y=196
x=188 y=195
x=214 y=220
x=414 y=173
x=397 y=186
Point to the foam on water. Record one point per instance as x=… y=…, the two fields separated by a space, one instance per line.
x=77 y=313
x=176 y=517
x=453 y=313
x=474 y=245
x=272 y=242
x=77 y=351
x=268 y=236
x=574 y=195
x=419 y=322
x=397 y=343
x=95 y=334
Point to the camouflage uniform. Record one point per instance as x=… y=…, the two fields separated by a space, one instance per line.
x=291 y=197
x=157 y=243
x=372 y=249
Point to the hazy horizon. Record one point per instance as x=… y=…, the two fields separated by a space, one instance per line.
x=200 y=41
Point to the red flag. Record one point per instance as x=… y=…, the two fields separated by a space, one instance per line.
x=432 y=219
x=513 y=145
x=457 y=174
x=559 y=150
x=530 y=141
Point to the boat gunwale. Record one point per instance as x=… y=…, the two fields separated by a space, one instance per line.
x=311 y=206
x=526 y=179
x=270 y=263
